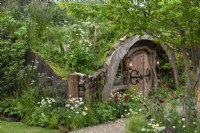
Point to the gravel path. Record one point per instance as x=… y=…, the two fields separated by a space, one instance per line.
x=117 y=126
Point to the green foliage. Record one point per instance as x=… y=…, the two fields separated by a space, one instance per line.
x=135 y=124
x=12 y=108
x=12 y=48
x=104 y=112
x=79 y=59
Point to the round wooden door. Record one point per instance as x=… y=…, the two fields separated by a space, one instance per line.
x=140 y=72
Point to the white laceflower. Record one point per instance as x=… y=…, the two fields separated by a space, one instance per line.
x=183 y=126
x=49 y=101
x=183 y=119
x=174 y=127
x=67 y=105
x=152 y=120
x=86 y=108
x=43 y=114
x=76 y=112
x=81 y=103
x=53 y=100
x=71 y=107
x=194 y=123
x=81 y=99
x=143 y=129
x=84 y=113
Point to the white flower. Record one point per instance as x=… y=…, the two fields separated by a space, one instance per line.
x=76 y=112
x=43 y=115
x=174 y=127
x=183 y=119
x=81 y=103
x=183 y=126
x=73 y=99
x=194 y=123
x=152 y=120
x=149 y=124
x=122 y=116
x=140 y=110
x=84 y=113
x=143 y=129
x=81 y=99
x=128 y=114
x=76 y=106
x=49 y=101
x=157 y=125
x=130 y=110
x=86 y=108
x=69 y=116
x=67 y=105
x=71 y=107
x=77 y=101
x=53 y=100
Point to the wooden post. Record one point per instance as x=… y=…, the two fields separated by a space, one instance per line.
x=72 y=89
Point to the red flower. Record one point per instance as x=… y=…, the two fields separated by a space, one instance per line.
x=116 y=96
x=126 y=97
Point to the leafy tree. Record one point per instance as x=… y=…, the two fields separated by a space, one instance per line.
x=172 y=23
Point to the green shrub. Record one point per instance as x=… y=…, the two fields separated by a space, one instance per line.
x=12 y=108
x=104 y=112
x=135 y=124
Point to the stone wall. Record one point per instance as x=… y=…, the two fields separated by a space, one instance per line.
x=86 y=86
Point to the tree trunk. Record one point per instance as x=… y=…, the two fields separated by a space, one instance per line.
x=187 y=65
x=188 y=91
x=173 y=62
x=195 y=51
x=186 y=69
x=195 y=57
x=197 y=87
